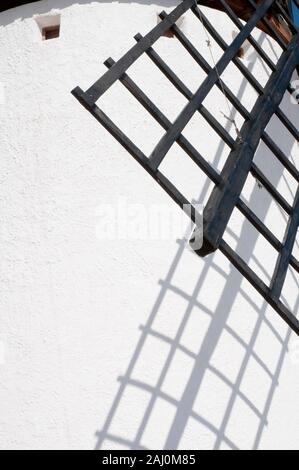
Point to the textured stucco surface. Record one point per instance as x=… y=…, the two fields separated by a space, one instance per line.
x=79 y=365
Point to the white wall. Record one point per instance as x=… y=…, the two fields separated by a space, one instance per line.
x=80 y=365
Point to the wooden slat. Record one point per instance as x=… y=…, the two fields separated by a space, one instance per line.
x=250 y=39
x=265 y=106
x=218 y=128
x=247 y=74
x=260 y=286
x=184 y=117
x=284 y=256
x=166 y=124
x=233 y=99
x=198 y=159
x=136 y=153
x=110 y=77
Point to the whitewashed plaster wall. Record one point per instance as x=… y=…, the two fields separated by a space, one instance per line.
x=129 y=343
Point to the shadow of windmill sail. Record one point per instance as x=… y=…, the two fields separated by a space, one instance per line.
x=213 y=348
x=210 y=355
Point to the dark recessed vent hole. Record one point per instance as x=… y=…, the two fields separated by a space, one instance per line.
x=51 y=32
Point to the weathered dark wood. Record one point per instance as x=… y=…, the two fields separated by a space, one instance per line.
x=136 y=153
x=197 y=158
x=284 y=256
x=250 y=39
x=250 y=134
x=183 y=89
x=224 y=196
x=184 y=117
x=232 y=98
x=166 y=124
x=110 y=77
x=260 y=177
x=243 y=69
x=221 y=131
x=286 y=15
x=269 y=27
x=270 y=24
x=259 y=285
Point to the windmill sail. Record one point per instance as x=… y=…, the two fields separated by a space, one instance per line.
x=274 y=18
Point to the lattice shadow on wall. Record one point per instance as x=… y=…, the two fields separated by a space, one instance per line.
x=116 y=431
x=218 y=324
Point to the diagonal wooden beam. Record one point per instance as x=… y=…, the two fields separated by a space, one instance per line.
x=285 y=254
x=225 y=195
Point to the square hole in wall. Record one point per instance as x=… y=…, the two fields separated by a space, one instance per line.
x=51 y=32
x=49 y=26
